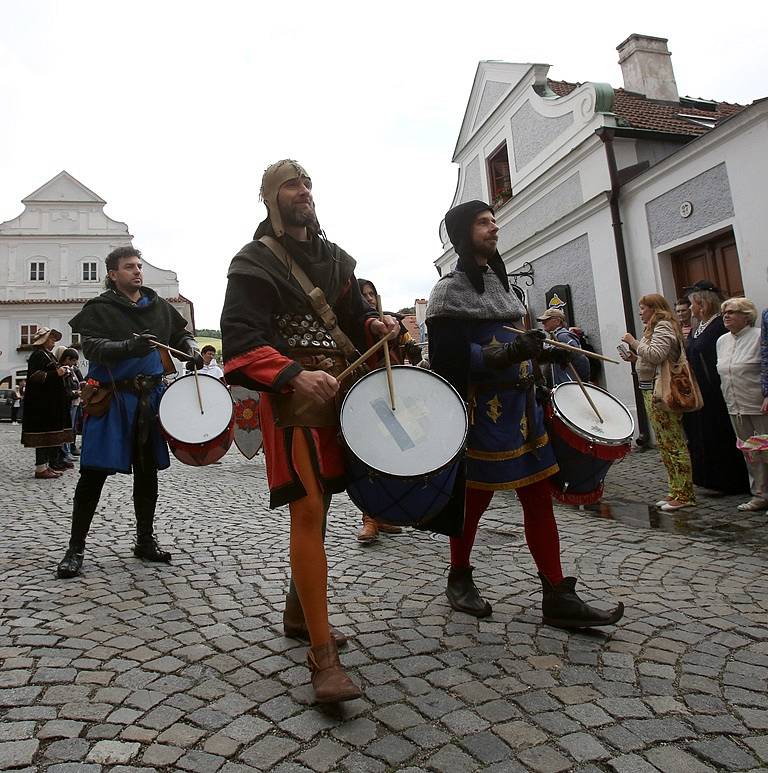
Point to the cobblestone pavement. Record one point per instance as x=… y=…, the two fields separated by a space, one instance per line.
x=135 y=667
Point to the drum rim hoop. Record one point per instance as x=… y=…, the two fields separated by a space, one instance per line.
x=452 y=460
x=582 y=433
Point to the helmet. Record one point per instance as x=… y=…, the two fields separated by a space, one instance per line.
x=275 y=175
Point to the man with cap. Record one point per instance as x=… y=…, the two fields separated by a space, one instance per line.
x=469 y=316
x=278 y=341
x=46 y=425
x=553 y=322
x=119 y=329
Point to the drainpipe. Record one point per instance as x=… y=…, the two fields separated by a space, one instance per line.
x=606 y=134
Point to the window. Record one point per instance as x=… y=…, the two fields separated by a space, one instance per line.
x=499 y=179
x=37 y=271
x=76 y=340
x=27 y=334
x=90 y=271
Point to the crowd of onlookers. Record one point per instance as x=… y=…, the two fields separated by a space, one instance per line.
x=723 y=446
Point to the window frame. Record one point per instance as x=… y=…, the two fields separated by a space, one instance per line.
x=499 y=194
x=94 y=264
x=30 y=333
x=37 y=264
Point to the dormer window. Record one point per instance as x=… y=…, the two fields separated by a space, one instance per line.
x=37 y=271
x=90 y=271
x=499 y=179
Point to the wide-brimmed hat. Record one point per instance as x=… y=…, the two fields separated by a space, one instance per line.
x=702 y=284
x=552 y=313
x=43 y=334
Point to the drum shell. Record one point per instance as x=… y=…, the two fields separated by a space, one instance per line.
x=201 y=454
x=396 y=500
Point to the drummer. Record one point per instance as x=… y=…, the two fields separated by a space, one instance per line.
x=275 y=341
x=494 y=369
x=126 y=437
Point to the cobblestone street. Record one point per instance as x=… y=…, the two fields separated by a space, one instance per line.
x=140 y=667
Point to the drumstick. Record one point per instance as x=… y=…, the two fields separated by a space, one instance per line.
x=199 y=395
x=561 y=345
x=575 y=374
x=351 y=368
x=387 y=361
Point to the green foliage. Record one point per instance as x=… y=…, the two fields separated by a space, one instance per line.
x=208 y=333
x=407 y=310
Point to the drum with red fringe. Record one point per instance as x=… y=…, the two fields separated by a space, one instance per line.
x=585 y=447
x=197 y=419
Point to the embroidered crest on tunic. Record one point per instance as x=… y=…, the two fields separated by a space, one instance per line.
x=524 y=427
x=494 y=409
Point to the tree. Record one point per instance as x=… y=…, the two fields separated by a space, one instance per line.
x=208 y=332
x=407 y=310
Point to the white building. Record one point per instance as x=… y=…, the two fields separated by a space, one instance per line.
x=52 y=260
x=616 y=192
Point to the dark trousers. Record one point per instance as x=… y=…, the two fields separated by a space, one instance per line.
x=88 y=493
x=46 y=455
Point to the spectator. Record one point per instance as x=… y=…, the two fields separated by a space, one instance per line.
x=738 y=363
x=69 y=358
x=684 y=315
x=662 y=341
x=553 y=322
x=710 y=428
x=15 y=405
x=210 y=366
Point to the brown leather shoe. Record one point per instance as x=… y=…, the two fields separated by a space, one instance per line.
x=370 y=531
x=47 y=474
x=388 y=528
x=329 y=680
x=295 y=627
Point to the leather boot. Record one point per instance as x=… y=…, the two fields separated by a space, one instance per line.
x=388 y=528
x=370 y=531
x=562 y=608
x=295 y=627
x=462 y=593
x=146 y=542
x=70 y=565
x=329 y=680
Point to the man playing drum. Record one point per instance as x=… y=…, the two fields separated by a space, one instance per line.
x=468 y=315
x=118 y=329
x=275 y=339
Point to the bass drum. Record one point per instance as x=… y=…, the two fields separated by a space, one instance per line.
x=585 y=447
x=197 y=437
x=402 y=464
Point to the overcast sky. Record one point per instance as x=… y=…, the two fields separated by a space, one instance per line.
x=172 y=110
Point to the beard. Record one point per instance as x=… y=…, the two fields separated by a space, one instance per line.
x=484 y=249
x=300 y=216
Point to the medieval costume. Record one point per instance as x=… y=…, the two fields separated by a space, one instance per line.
x=46 y=424
x=271 y=334
x=127 y=372
x=495 y=370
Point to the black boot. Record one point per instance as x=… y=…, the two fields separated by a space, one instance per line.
x=463 y=595
x=562 y=608
x=146 y=542
x=71 y=564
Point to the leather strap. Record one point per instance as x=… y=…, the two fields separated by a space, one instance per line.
x=315 y=296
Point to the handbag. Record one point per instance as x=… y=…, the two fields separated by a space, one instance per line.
x=676 y=389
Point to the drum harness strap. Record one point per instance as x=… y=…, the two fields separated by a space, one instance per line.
x=315 y=295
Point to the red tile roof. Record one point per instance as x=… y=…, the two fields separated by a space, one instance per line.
x=177 y=299
x=639 y=112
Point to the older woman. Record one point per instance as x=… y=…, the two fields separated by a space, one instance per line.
x=662 y=341
x=717 y=464
x=46 y=425
x=738 y=363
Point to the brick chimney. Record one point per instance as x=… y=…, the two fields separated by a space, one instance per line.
x=646 y=65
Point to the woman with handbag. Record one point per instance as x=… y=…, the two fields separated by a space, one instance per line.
x=717 y=463
x=738 y=364
x=662 y=342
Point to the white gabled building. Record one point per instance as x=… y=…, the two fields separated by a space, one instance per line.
x=52 y=261
x=616 y=192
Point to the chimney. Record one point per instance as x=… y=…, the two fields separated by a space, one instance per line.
x=646 y=65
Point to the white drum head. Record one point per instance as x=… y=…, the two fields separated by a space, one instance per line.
x=424 y=433
x=180 y=414
x=572 y=408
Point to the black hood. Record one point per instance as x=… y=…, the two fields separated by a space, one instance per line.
x=458 y=223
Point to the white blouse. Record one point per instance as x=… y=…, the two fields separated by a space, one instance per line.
x=738 y=363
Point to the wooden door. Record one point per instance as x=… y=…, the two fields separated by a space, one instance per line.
x=716 y=260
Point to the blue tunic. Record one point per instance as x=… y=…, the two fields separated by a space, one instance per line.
x=507 y=446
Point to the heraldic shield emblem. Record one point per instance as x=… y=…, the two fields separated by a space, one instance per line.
x=247 y=429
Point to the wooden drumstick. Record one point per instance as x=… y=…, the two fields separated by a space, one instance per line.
x=561 y=345
x=387 y=360
x=575 y=374
x=199 y=394
x=183 y=355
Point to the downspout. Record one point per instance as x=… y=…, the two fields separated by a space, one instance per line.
x=606 y=134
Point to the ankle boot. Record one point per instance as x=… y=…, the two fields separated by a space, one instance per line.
x=295 y=627
x=462 y=593
x=70 y=565
x=329 y=680
x=562 y=608
x=146 y=542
